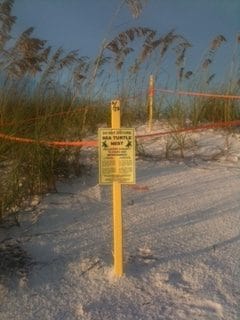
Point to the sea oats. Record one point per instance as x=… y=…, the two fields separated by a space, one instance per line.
x=206 y=63
x=188 y=74
x=119 y=46
x=135 y=6
x=6 y=21
x=238 y=38
x=217 y=41
x=210 y=78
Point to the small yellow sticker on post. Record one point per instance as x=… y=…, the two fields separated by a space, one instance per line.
x=117 y=155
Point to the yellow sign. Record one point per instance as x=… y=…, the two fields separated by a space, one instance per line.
x=116 y=155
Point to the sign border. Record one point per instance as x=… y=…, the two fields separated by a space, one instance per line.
x=100 y=156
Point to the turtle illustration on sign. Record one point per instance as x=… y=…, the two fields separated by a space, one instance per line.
x=129 y=144
x=104 y=144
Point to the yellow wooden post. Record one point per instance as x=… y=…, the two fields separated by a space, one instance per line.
x=150 y=102
x=117 y=201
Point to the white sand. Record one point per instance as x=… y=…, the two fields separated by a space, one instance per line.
x=181 y=242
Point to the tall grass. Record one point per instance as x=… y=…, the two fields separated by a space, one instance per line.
x=57 y=95
x=28 y=169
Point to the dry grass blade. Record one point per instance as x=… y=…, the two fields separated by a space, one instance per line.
x=80 y=72
x=214 y=45
x=210 y=78
x=45 y=54
x=135 y=6
x=119 y=45
x=181 y=73
x=217 y=41
x=27 y=46
x=6 y=21
x=163 y=43
x=180 y=50
x=167 y=40
x=206 y=63
x=26 y=56
x=127 y=36
x=69 y=59
x=188 y=74
x=53 y=63
x=238 y=38
x=102 y=60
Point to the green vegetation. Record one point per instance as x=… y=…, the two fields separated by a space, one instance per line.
x=49 y=95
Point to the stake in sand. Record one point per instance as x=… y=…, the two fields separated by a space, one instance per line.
x=150 y=102
x=117 y=167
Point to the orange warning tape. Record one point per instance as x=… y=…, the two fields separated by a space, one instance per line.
x=192 y=129
x=90 y=143
x=151 y=92
x=94 y=143
x=199 y=94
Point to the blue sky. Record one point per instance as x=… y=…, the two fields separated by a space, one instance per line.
x=83 y=24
